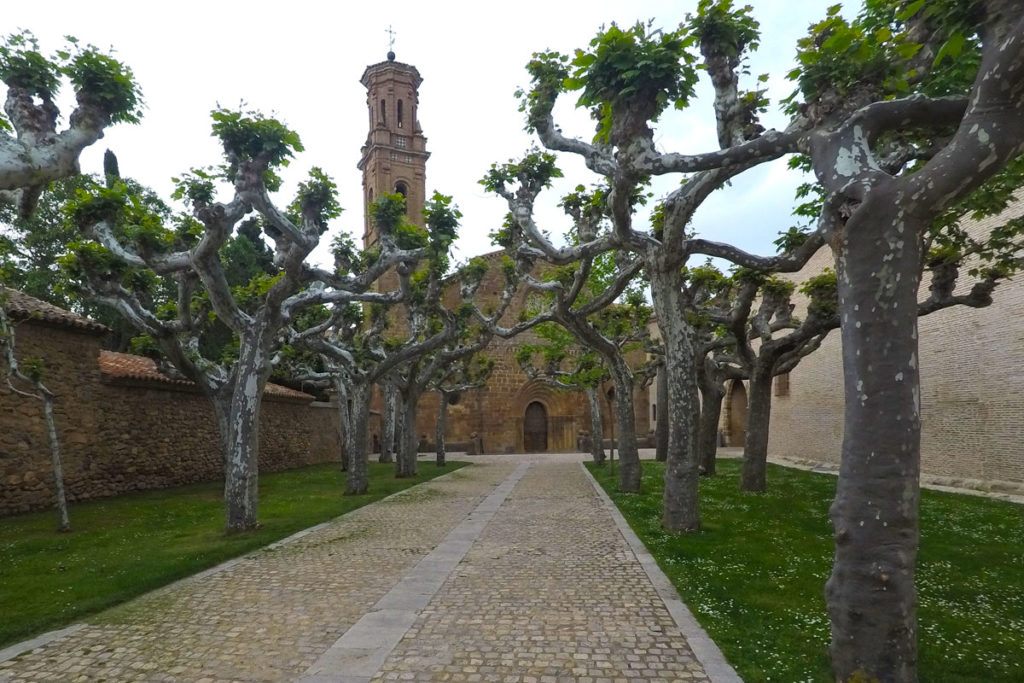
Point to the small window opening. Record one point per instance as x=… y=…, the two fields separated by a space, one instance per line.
x=403 y=189
x=782 y=385
x=399 y=113
x=384 y=112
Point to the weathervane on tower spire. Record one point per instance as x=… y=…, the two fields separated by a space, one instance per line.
x=391 y=43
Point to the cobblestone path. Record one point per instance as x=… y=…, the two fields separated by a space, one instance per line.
x=512 y=570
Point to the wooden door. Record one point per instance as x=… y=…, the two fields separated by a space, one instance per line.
x=535 y=428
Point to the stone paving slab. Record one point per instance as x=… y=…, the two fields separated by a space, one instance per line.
x=269 y=616
x=550 y=592
x=513 y=570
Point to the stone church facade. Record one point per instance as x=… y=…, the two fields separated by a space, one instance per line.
x=512 y=414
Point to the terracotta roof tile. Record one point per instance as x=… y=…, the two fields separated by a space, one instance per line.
x=128 y=366
x=22 y=306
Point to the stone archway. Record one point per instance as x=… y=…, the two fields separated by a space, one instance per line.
x=736 y=420
x=535 y=428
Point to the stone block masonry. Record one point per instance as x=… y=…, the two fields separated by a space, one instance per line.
x=123 y=431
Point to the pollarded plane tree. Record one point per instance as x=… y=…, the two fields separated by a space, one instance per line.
x=628 y=78
x=353 y=343
x=711 y=296
x=766 y=341
x=359 y=354
x=352 y=356
x=753 y=335
x=467 y=332
x=565 y=280
x=903 y=113
x=722 y=315
x=31 y=250
x=26 y=380
x=32 y=151
x=126 y=248
x=31 y=247
x=918 y=117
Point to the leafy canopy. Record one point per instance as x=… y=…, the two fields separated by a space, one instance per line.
x=98 y=78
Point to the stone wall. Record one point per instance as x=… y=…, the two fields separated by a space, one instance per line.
x=972 y=390
x=120 y=435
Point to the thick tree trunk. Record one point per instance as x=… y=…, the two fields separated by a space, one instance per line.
x=64 y=521
x=629 y=454
x=681 y=509
x=405 y=462
x=661 y=423
x=711 y=394
x=242 y=447
x=442 y=426
x=344 y=420
x=596 y=425
x=755 y=447
x=389 y=418
x=870 y=594
x=357 y=482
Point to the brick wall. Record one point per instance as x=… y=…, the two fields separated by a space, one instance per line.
x=972 y=390
x=120 y=435
x=495 y=413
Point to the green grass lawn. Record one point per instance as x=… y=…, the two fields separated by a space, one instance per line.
x=124 y=546
x=755 y=576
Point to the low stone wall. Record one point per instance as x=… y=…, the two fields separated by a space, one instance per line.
x=121 y=435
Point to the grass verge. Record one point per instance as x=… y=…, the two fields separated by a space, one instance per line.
x=124 y=546
x=754 y=577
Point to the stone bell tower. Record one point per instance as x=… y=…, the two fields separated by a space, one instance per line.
x=394 y=158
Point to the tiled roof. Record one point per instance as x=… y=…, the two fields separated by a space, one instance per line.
x=22 y=306
x=128 y=366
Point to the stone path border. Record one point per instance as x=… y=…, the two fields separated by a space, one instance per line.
x=366 y=645
x=704 y=649
x=42 y=639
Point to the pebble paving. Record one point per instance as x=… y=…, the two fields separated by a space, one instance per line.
x=548 y=591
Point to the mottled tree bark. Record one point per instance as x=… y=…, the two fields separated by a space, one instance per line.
x=661 y=423
x=64 y=521
x=870 y=595
x=405 y=462
x=357 y=482
x=389 y=419
x=681 y=509
x=442 y=426
x=711 y=393
x=344 y=418
x=241 y=478
x=755 y=446
x=596 y=426
x=629 y=453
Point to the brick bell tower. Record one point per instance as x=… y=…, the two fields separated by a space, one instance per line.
x=394 y=158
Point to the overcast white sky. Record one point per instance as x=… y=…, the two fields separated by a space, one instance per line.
x=302 y=61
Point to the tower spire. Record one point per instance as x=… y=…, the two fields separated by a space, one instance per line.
x=394 y=158
x=391 y=42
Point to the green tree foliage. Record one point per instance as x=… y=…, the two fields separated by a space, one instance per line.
x=32 y=151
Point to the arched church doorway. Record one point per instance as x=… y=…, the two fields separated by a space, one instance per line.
x=737 y=413
x=535 y=428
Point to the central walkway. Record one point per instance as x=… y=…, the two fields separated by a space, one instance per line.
x=512 y=570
